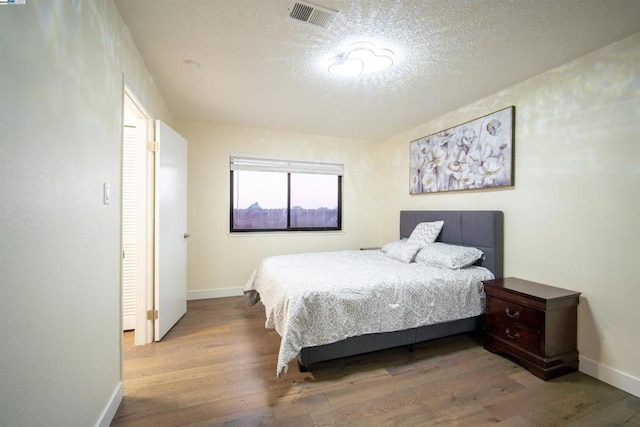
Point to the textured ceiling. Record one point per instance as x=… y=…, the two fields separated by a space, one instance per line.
x=259 y=68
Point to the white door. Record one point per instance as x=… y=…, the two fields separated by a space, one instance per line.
x=170 y=293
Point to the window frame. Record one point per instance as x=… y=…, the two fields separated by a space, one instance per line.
x=257 y=164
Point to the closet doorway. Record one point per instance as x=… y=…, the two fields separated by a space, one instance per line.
x=137 y=220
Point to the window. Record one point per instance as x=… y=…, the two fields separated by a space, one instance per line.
x=282 y=195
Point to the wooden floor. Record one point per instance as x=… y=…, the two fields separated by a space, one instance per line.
x=217 y=366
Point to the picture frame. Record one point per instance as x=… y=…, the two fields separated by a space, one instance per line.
x=478 y=154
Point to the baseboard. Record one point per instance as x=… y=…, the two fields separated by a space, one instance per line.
x=112 y=407
x=214 y=293
x=611 y=376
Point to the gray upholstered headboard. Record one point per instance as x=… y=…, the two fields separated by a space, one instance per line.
x=481 y=229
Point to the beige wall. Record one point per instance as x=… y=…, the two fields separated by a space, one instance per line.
x=61 y=86
x=573 y=218
x=221 y=263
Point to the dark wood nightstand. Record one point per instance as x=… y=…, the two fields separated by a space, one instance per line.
x=535 y=324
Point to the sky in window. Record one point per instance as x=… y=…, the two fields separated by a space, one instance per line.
x=269 y=190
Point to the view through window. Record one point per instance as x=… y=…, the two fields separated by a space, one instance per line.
x=285 y=196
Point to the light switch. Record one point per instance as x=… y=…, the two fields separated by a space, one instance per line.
x=107 y=194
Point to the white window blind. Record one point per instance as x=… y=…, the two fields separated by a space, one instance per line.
x=239 y=163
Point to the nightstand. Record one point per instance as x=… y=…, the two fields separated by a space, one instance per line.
x=534 y=323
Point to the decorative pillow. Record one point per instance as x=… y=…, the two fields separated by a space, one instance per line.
x=391 y=245
x=426 y=232
x=448 y=256
x=404 y=251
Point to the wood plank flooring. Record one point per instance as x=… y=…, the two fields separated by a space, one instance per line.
x=217 y=366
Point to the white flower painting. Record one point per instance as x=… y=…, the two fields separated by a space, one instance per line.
x=476 y=154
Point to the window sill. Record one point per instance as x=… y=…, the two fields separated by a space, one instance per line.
x=285 y=233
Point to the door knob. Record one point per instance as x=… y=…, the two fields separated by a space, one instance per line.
x=187 y=235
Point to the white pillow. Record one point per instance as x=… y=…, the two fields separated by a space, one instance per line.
x=389 y=246
x=404 y=251
x=426 y=232
x=448 y=256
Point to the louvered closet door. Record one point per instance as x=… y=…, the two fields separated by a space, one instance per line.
x=129 y=228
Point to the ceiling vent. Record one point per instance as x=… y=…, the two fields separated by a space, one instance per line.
x=311 y=13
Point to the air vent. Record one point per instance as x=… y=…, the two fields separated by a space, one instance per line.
x=311 y=13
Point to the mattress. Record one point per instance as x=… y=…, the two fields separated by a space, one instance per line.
x=320 y=298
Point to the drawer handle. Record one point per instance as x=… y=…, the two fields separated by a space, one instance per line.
x=514 y=336
x=514 y=315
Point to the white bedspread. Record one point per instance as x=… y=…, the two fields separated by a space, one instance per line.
x=320 y=298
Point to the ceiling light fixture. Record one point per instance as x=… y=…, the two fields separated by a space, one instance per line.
x=360 y=59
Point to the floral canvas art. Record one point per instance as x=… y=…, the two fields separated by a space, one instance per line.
x=476 y=154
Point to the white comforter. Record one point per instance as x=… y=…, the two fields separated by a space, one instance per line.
x=320 y=298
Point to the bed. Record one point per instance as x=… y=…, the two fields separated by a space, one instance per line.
x=334 y=311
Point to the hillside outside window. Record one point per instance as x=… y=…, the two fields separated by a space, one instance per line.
x=285 y=195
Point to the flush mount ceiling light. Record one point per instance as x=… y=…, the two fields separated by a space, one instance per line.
x=361 y=59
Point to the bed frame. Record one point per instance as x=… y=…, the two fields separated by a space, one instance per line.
x=480 y=229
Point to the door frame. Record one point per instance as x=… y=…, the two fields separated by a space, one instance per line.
x=144 y=289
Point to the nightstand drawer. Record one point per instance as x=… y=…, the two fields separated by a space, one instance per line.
x=515 y=312
x=508 y=331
